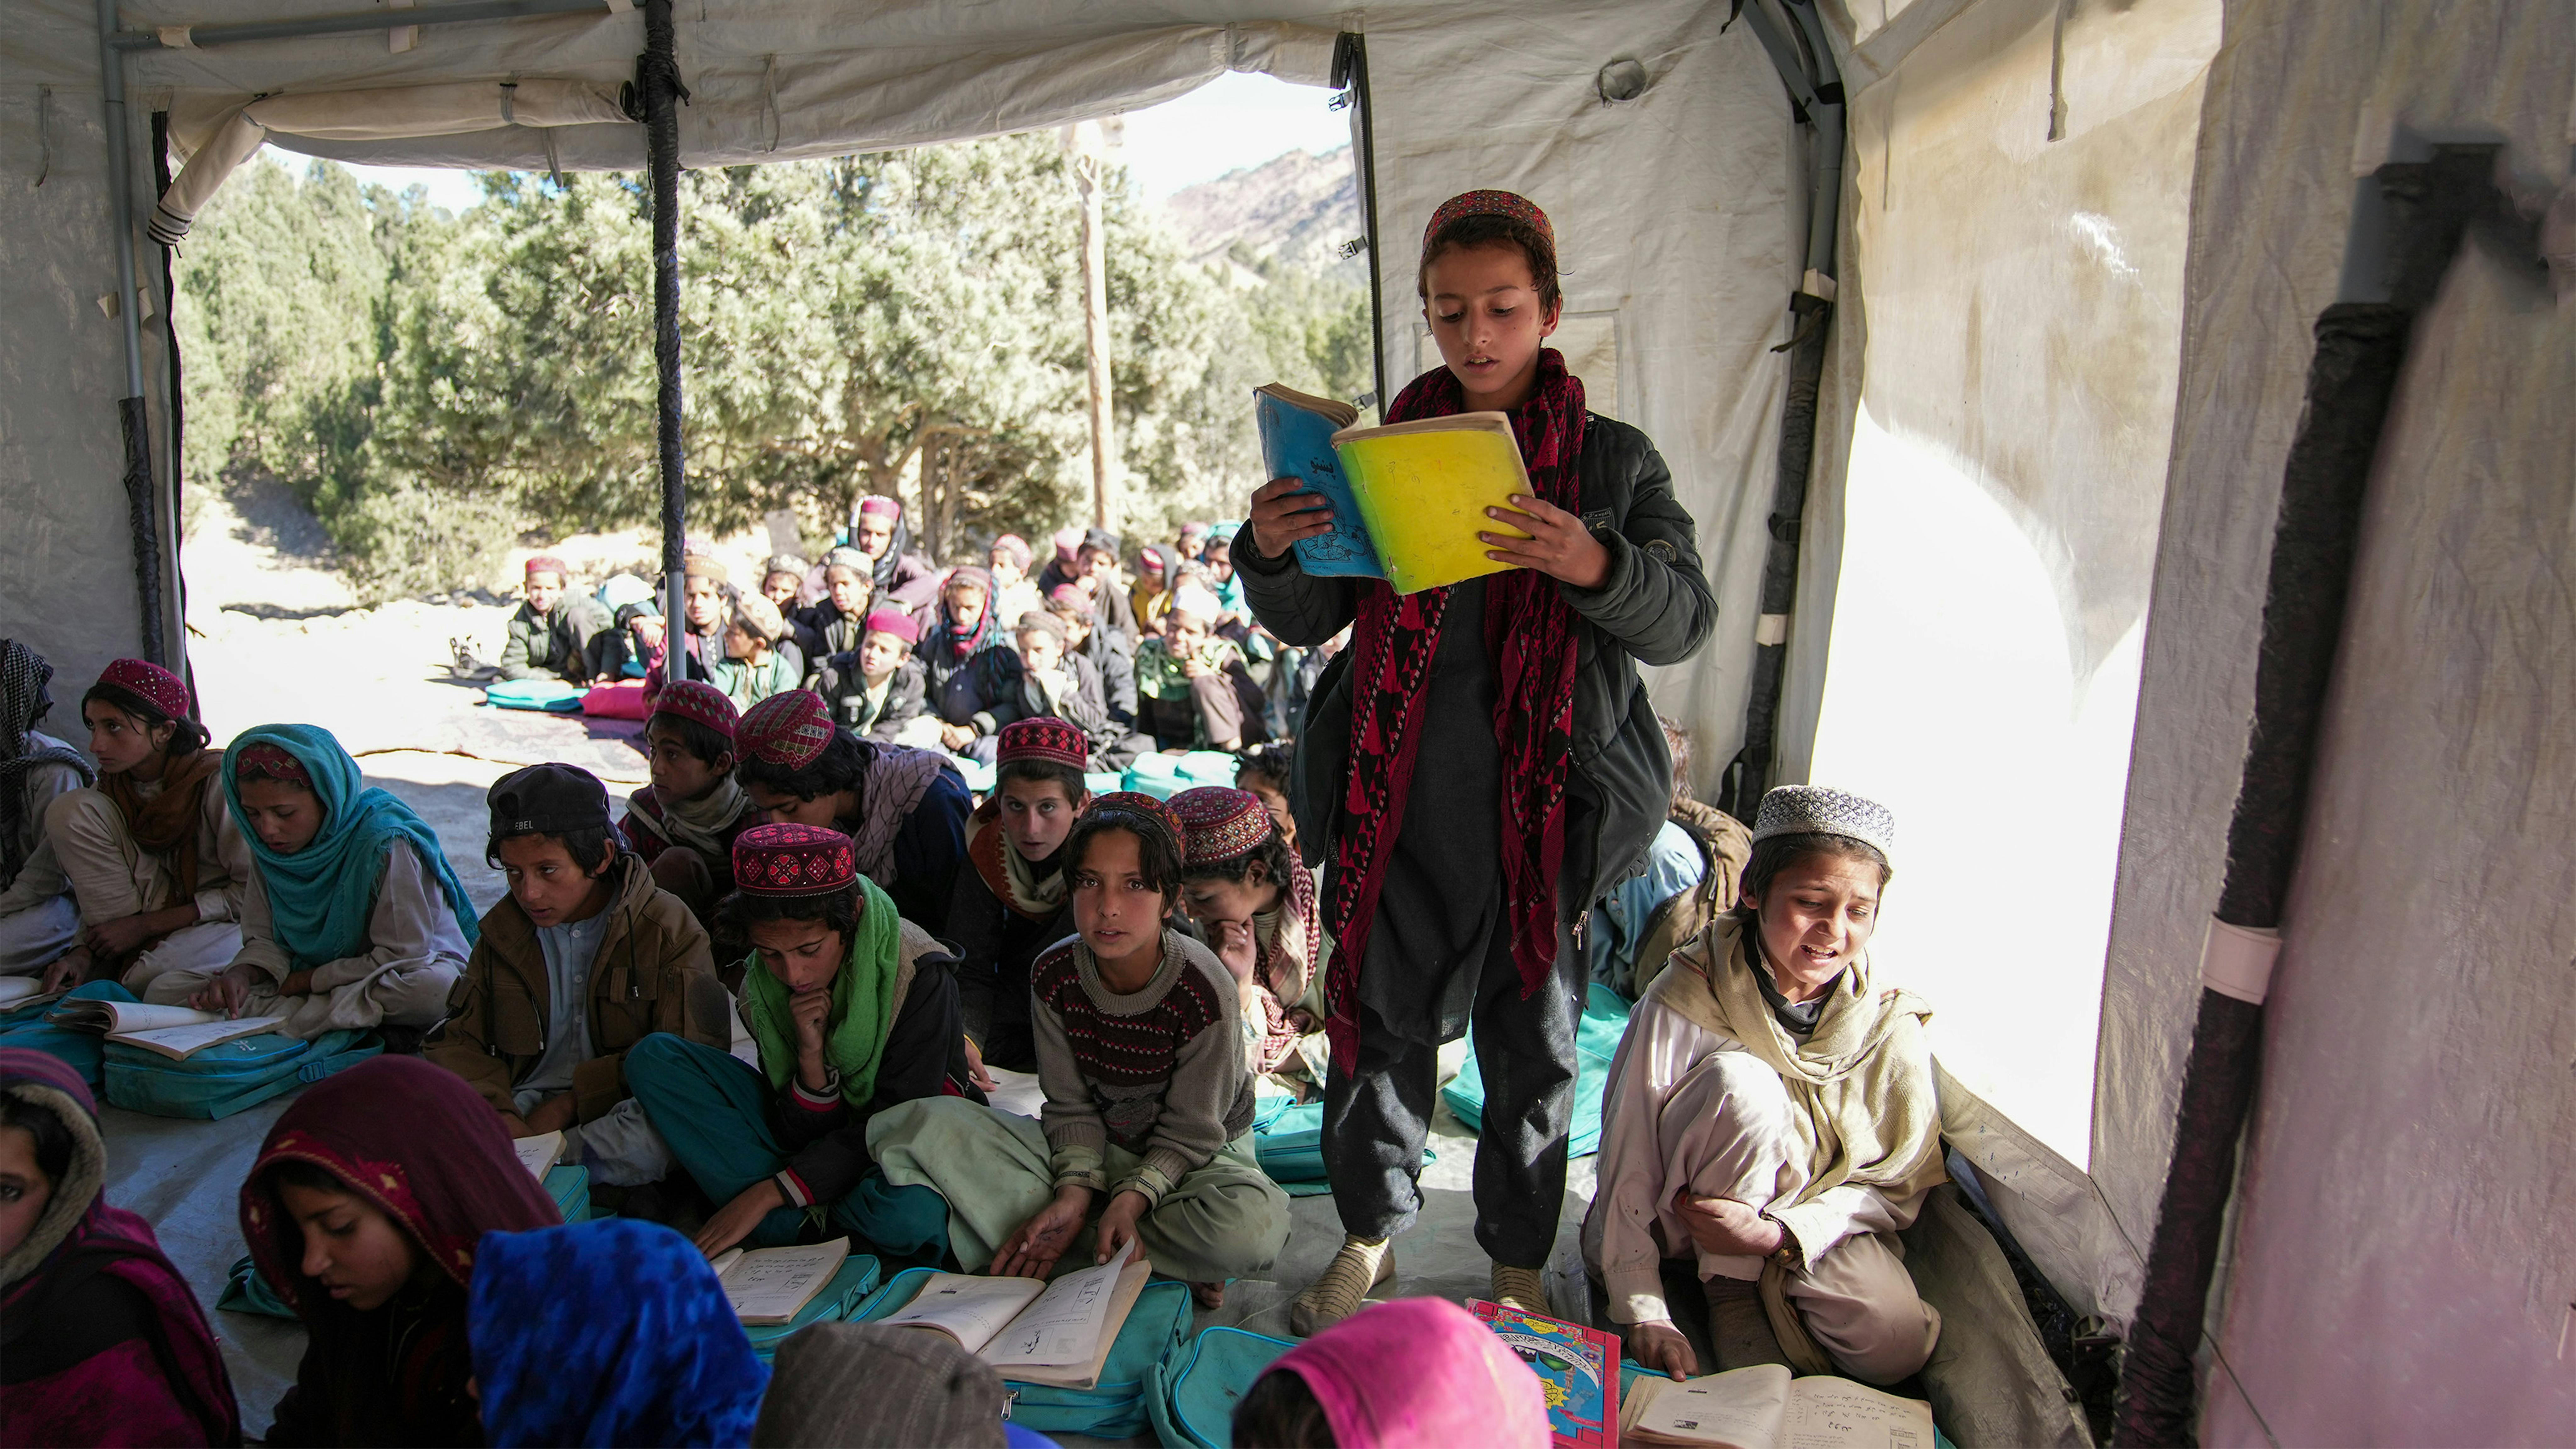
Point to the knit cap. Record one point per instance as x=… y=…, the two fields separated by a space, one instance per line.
x=704 y=566
x=1219 y=822
x=760 y=618
x=1071 y=600
x=1014 y=546
x=791 y=728
x=792 y=860
x=701 y=702
x=1039 y=621
x=896 y=622
x=1067 y=541
x=547 y=800
x=1044 y=738
x=1816 y=810
x=851 y=560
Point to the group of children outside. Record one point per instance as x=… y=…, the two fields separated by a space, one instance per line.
x=887 y=943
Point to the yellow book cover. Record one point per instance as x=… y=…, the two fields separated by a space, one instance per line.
x=1423 y=487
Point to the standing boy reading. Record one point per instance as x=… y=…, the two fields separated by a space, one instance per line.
x=551 y=634
x=1148 y=1120
x=852 y=1011
x=1014 y=904
x=583 y=958
x=684 y=823
x=1508 y=709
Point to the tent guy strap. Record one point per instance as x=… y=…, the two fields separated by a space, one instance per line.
x=235 y=32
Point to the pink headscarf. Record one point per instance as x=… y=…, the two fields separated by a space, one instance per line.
x=1420 y=1372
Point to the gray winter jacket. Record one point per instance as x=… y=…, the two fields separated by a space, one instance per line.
x=1656 y=607
x=555 y=645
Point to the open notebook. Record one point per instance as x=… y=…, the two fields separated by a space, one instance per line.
x=1408 y=499
x=176 y=1032
x=1034 y=1332
x=18 y=991
x=1762 y=1407
x=773 y=1285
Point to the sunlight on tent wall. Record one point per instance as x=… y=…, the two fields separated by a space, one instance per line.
x=2022 y=245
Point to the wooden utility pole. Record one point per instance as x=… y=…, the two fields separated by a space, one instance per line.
x=1089 y=147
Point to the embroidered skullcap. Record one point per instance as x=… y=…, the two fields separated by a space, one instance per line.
x=877 y=505
x=1044 y=738
x=792 y=860
x=1488 y=203
x=1219 y=822
x=1070 y=599
x=547 y=799
x=1039 y=621
x=791 y=728
x=700 y=702
x=261 y=760
x=760 y=618
x=781 y=563
x=149 y=685
x=969 y=577
x=1142 y=808
x=1015 y=546
x=546 y=563
x=704 y=566
x=1815 y=810
x=851 y=560
x=1067 y=540
x=896 y=622
x=1194 y=530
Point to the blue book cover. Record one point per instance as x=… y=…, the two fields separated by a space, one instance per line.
x=1297 y=442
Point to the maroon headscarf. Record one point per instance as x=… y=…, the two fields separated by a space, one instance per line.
x=1530 y=631
x=427 y=1151
x=164 y=1385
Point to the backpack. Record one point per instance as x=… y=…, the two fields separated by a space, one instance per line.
x=1117 y=1407
x=1192 y=1397
x=1724 y=846
x=229 y=1076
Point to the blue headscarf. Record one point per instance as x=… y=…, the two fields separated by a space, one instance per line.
x=608 y=1332
x=322 y=895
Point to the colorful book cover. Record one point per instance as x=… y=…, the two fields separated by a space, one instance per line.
x=1297 y=442
x=1408 y=499
x=1577 y=1367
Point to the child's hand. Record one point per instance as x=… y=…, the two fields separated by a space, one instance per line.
x=1660 y=1346
x=227 y=994
x=121 y=937
x=1558 y=545
x=69 y=970
x=807 y=1011
x=1724 y=1227
x=734 y=1221
x=1032 y=1248
x=1118 y=1224
x=554 y=1114
x=975 y=1070
x=1193 y=667
x=1284 y=511
x=1235 y=945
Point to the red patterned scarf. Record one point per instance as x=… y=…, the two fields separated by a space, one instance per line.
x=1530 y=632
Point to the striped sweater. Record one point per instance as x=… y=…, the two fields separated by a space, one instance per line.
x=1159 y=1073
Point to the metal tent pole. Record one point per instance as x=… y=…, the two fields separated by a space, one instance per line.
x=132 y=418
x=1350 y=76
x=198 y=37
x=658 y=89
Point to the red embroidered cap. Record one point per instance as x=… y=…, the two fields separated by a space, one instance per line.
x=790 y=729
x=1488 y=203
x=546 y=563
x=261 y=760
x=896 y=622
x=695 y=699
x=1043 y=737
x=153 y=685
x=1219 y=822
x=1141 y=806
x=792 y=860
x=877 y=505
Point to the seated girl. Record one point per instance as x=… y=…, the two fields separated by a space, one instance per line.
x=1148 y=1119
x=1013 y=904
x=38 y=918
x=1770 y=1118
x=961 y=627
x=608 y=1332
x=100 y=1340
x=683 y=824
x=1254 y=904
x=364 y=1210
x=584 y=958
x=156 y=861
x=878 y=689
x=353 y=917
x=904 y=809
x=759 y=660
x=1193 y=689
x=1417 y=1373
x=852 y=1011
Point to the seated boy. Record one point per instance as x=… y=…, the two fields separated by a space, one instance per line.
x=1689 y=877
x=1033 y=679
x=904 y=809
x=1148 y=1117
x=758 y=659
x=1108 y=653
x=1193 y=689
x=782 y=578
x=694 y=801
x=1254 y=904
x=551 y=634
x=583 y=958
x=851 y=1011
x=38 y=917
x=837 y=622
x=1013 y=905
x=877 y=688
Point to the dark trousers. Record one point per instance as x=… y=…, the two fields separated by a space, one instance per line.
x=1377 y=1110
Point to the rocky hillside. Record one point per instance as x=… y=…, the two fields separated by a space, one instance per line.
x=1298 y=208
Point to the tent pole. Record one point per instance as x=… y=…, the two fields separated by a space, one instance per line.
x=133 y=420
x=1350 y=76
x=198 y=37
x=1817 y=96
x=658 y=88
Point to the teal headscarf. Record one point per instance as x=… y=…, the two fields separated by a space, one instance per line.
x=321 y=896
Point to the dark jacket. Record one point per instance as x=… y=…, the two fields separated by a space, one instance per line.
x=1656 y=608
x=555 y=645
x=995 y=688
x=996 y=946
x=845 y=689
x=826 y=1144
x=1114 y=658
x=653 y=973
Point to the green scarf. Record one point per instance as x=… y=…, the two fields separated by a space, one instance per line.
x=865 y=998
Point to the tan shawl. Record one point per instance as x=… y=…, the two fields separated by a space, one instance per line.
x=1864 y=1078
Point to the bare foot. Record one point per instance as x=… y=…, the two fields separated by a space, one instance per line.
x=1208 y=1295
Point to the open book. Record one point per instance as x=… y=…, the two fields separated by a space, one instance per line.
x=176 y=1032
x=1057 y=1333
x=537 y=1154
x=1408 y=498
x=773 y=1285
x=1764 y=1408
x=18 y=991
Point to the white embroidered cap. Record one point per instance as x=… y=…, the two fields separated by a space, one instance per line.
x=1816 y=810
